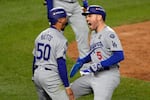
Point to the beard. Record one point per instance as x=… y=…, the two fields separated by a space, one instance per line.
x=64 y=26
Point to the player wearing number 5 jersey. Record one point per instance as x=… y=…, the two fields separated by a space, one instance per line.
x=49 y=66
x=105 y=54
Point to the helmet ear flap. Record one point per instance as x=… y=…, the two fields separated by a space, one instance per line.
x=53 y=21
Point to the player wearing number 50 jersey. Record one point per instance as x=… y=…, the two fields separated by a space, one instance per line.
x=49 y=66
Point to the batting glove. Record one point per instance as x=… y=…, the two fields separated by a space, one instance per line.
x=96 y=67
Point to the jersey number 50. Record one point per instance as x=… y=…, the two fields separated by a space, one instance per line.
x=43 y=51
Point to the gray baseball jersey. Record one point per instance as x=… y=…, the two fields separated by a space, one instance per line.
x=102 y=44
x=49 y=45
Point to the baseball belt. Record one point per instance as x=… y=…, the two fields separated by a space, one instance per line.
x=70 y=1
x=114 y=66
x=36 y=66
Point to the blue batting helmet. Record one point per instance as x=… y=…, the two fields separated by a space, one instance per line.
x=55 y=14
x=95 y=9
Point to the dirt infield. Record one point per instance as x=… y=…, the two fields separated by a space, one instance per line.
x=135 y=39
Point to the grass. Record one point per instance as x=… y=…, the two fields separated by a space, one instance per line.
x=129 y=89
x=22 y=20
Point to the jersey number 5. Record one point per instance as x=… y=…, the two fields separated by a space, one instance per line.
x=43 y=51
x=99 y=55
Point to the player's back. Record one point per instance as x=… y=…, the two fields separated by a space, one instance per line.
x=49 y=46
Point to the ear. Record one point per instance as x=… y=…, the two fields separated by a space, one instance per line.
x=99 y=17
x=59 y=20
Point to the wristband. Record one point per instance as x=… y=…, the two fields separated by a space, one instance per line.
x=67 y=87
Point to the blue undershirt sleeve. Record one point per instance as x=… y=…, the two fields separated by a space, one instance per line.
x=85 y=59
x=62 y=69
x=49 y=6
x=85 y=3
x=114 y=59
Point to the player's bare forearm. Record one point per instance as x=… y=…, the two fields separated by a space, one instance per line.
x=70 y=93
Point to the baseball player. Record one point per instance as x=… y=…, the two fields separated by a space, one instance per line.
x=105 y=54
x=50 y=72
x=76 y=20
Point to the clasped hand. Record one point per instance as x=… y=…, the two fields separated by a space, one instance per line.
x=96 y=67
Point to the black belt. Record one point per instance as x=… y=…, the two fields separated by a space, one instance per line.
x=47 y=68
x=36 y=66
x=70 y=1
x=108 y=68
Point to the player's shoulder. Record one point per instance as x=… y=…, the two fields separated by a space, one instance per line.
x=46 y=31
x=43 y=32
x=58 y=35
x=108 y=31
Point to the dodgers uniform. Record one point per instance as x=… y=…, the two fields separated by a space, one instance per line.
x=49 y=45
x=102 y=84
x=105 y=54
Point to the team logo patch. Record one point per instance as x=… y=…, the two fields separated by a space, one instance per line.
x=114 y=44
x=112 y=36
